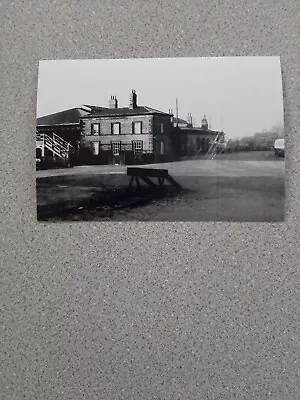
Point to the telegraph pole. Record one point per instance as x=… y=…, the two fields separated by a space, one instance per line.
x=176 y=112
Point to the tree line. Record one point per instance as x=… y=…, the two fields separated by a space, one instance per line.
x=259 y=141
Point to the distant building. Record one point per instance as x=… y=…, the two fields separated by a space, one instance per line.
x=128 y=135
x=181 y=123
x=189 y=140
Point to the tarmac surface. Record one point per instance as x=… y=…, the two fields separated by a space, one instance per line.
x=233 y=187
x=240 y=164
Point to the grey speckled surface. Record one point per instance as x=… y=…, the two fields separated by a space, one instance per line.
x=144 y=310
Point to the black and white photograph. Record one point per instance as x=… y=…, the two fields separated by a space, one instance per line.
x=162 y=139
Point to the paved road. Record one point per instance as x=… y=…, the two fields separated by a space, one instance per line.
x=250 y=156
x=230 y=165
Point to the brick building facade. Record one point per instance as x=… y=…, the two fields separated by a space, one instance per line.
x=122 y=135
x=127 y=135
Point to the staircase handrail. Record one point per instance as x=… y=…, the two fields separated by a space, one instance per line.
x=62 y=141
x=54 y=143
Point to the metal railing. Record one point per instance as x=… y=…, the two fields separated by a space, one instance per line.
x=54 y=143
x=213 y=149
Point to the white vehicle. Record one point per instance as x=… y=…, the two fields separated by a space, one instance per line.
x=279 y=147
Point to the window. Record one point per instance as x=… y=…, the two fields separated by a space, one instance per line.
x=137 y=127
x=38 y=153
x=150 y=145
x=116 y=148
x=95 y=148
x=95 y=129
x=161 y=148
x=161 y=127
x=116 y=128
x=137 y=146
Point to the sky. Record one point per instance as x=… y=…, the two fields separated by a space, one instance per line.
x=241 y=95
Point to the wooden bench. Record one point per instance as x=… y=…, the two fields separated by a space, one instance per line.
x=145 y=174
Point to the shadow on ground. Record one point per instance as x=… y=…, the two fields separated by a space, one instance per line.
x=102 y=204
x=204 y=198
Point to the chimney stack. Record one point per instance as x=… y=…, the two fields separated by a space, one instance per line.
x=133 y=99
x=113 y=102
x=190 y=120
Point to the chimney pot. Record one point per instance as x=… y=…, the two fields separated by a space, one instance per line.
x=113 y=102
x=133 y=99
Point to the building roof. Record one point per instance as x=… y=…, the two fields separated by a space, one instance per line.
x=70 y=116
x=198 y=130
x=90 y=108
x=180 y=121
x=73 y=115
x=139 y=110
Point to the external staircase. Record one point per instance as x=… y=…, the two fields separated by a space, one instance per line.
x=215 y=147
x=55 y=144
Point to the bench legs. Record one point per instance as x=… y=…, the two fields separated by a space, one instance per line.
x=137 y=182
x=160 y=181
x=131 y=182
x=148 y=181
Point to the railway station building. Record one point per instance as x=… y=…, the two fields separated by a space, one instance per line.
x=127 y=135
x=133 y=134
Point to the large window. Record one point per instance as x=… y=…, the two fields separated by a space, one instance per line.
x=95 y=147
x=162 y=148
x=161 y=127
x=116 y=128
x=150 y=144
x=137 y=146
x=137 y=127
x=116 y=148
x=95 y=129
